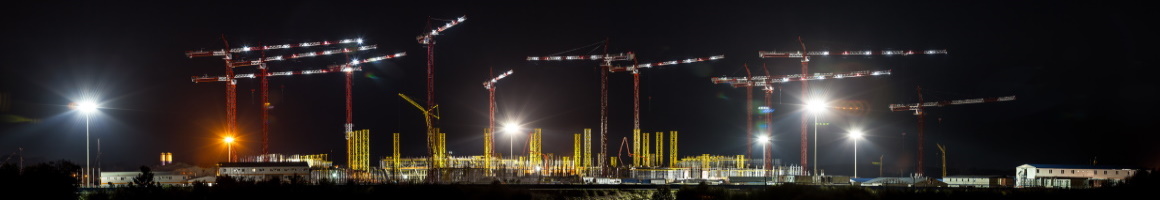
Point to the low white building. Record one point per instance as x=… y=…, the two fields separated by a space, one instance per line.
x=121 y=179
x=261 y=171
x=1070 y=176
x=978 y=181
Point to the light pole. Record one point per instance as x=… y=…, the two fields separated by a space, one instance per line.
x=764 y=140
x=856 y=135
x=512 y=130
x=815 y=107
x=86 y=108
x=229 y=148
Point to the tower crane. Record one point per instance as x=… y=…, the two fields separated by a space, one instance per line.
x=804 y=55
x=604 y=67
x=919 y=107
x=489 y=135
x=231 y=85
x=428 y=40
x=766 y=83
x=347 y=68
x=635 y=69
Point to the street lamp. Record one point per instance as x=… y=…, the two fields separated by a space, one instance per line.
x=86 y=108
x=764 y=140
x=512 y=130
x=856 y=135
x=815 y=107
x=229 y=148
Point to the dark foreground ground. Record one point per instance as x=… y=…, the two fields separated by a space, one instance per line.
x=499 y=191
x=55 y=180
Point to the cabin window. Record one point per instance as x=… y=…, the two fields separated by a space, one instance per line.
x=1073 y=171
x=1049 y=171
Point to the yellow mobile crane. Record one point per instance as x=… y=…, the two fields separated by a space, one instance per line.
x=435 y=142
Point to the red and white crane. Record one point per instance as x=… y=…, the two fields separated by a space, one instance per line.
x=345 y=67
x=766 y=83
x=604 y=68
x=635 y=69
x=348 y=68
x=489 y=145
x=805 y=60
x=918 y=107
x=428 y=40
x=231 y=85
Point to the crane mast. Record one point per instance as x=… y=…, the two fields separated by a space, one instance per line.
x=603 y=68
x=428 y=40
x=489 y=134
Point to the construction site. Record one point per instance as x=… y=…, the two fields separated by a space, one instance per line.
x=647 y=157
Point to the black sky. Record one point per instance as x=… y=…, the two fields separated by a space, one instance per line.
x=1077 y=68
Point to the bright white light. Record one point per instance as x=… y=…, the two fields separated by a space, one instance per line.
x=763 y=139
x=86 y=107
x=359 y=40
x=816 y=106
x=856 y=134
x=511 y=128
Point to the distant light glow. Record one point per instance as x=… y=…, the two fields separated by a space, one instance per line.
x=511 y=128
x=86 y=107
x=816 y=106
x=229 y=139
x=856 y=134
x=763 y=139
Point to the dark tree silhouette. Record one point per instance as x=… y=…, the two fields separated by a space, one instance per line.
x=145 y=179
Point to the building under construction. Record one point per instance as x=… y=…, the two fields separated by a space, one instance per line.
x=654 y=157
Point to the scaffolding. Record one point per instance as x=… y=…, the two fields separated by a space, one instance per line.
x=358 y=150
x=660 y=149
x=535 y=157
x=488 y=148
x=672 y=148
x=635 y=148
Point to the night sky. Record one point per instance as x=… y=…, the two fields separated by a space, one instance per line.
x=1076 y=67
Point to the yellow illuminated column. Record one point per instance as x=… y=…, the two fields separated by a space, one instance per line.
x=442 y=149
x=660 y=149
x=740 y=161
x=534 y=157
x=644 y=150
x=576 y=143
x=587 y=162
x=672 y=148
x=395 y=155
x=487 y=148
x=635 y=148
